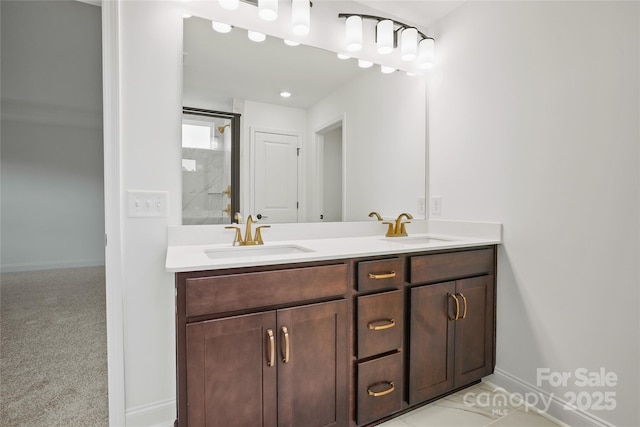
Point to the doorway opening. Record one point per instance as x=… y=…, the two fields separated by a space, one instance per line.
x=330 y=149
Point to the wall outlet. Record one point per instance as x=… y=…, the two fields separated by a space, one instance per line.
x=436 y=205
x=147 y=204
x=422 y=208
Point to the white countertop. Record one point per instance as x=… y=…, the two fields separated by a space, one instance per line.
x=193 y=257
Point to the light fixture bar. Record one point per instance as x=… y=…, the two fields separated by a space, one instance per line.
x=413 y=36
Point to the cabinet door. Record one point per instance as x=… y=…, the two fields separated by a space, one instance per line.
x=313 y=361
x=229 y=378
x=431 y=341
x=474 y=332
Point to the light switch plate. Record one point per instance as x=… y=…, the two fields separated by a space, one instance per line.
x=436 y=205
x=147 y=204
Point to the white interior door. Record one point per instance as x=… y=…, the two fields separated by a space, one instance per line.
x=276 y=177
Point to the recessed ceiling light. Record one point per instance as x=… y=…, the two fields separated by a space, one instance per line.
x=364 y=64
x=386 y=69
x=343 y=56
x=285 y=94
x=291 y=43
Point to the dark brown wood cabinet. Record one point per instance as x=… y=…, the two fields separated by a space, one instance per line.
x=271 y=367
x=334 y=343
x=451 y=324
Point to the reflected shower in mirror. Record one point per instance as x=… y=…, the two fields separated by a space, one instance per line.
x=209 y=150
x=347 y=141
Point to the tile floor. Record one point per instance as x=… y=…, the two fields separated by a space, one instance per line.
x=481 y=405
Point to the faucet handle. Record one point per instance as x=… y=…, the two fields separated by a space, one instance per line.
x=259 y=234
x=403 y=228
x=237 y=218
x=238 y=235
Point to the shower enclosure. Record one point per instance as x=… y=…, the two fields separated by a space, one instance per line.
x=210 y=166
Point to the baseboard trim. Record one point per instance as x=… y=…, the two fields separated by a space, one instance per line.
x=158 y=414
x=513 y=384
x=50 y=265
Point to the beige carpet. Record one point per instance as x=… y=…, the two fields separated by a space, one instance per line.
x=53 y=350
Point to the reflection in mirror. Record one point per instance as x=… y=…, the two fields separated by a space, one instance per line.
x=347 y=141
x=209 y=148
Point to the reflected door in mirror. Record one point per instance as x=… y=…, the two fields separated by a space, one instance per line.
x=276 y=177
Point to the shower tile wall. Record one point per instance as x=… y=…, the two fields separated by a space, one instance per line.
x=203 y=200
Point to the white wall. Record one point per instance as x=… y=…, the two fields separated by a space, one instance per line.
x=534 y=122
x=52 y=162
x=150 y=114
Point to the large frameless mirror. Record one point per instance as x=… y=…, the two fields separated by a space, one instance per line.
x=347 y=141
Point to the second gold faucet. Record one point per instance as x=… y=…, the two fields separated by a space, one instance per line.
x=248 y=240
x=399 y=228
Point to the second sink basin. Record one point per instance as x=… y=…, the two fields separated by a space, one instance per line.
x=254 y=251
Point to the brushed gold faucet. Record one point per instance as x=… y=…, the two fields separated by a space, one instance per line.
x=248 y=239
x=399 y=228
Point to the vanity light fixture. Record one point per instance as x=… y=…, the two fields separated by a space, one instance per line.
x=268 y=9
x=384 y=36
x=413 y=43
x=353 y=33
x=220 y=27
x=256 y=36
x=409 y=44
x=426 y=54
x=229 y=4
x=300 y=16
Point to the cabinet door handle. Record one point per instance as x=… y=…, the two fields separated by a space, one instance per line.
x=386 y=324
x=285 y=333
x=272 y=348
x=391 y=388
x=455 y=298
x=464 y=300
x=388 y=275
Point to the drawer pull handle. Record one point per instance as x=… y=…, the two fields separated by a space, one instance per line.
x=285 y=333
x=272 y=348
x=388 y=275
x=391 y=388
x=388 y=323
x=455 y=298
x=464 y=300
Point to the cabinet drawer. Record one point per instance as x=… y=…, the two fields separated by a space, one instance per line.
x=380 y=323
x=439 y=267
x=380 y=274
x=227 y=293
x=379 y=388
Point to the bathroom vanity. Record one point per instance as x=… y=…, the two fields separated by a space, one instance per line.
x=319 y=338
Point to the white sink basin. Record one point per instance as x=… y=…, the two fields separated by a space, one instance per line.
x=418 y=240
x=254 y=251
